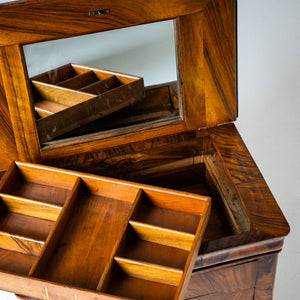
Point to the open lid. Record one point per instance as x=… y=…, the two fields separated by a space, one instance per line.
x=205 y=43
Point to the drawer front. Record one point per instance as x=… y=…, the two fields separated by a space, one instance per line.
x=235 y=281
x=239 y=295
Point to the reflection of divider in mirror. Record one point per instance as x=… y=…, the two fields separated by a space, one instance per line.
x=73 y=95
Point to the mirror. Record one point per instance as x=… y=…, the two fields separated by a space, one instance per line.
x=104 y=83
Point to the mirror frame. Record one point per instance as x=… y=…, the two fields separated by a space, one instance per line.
x=205 y=37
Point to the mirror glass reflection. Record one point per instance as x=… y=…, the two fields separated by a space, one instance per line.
x=107 y=82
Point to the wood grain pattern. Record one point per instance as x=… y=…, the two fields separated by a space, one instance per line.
x=22 y=244
x=8 y=151
x=249 y=182
x=135 y=161
x=209 y=38
x=230 y=278
x=15 y=262
x=75 y=20
x=214 y=68
x=102 y=226
x=15 y=82
x=237 y=295
x=56 y=231
x=151 y=252
x=134 y=288
x=23 y=225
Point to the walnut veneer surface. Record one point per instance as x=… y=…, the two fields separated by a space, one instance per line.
x=247 y=227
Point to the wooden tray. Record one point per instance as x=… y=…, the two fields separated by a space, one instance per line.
x=72 y=95
x=67 y=234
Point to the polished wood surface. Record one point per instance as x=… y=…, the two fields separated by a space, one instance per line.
x=209 y=39
x=245 y=279
x=183 y=153
x=75 y=19
x=8 y=150
x=246 y=228
x=85 y=245
x=15 y=82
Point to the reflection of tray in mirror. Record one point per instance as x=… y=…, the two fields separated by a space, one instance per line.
x=91 y=236
x=159 y=103
x=72 y=95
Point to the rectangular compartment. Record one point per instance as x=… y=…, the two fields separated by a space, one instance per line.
x=40 y=184
x=73 y=95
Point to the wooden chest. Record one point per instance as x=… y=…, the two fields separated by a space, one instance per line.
x=180 y=137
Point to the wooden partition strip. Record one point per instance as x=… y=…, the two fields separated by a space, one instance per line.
x=102 y=86
x=22 y=244
x=148 y=271
x=8 y=179
x=113 y=253
x=187 y=272
x=180 y=201
x=47 y=176
x=45 y=108
x=60 y=94
x=30 y=207
x=163 y=236
x=56 y=231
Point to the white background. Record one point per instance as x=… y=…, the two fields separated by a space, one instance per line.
x=269 y=115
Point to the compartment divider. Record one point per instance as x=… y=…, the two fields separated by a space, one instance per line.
x=60 y=94
x=30 y=207
x=46 y=108
x=22 y=244
x=163 y=236
x=109 y=264
x=9 y=177
x=102 y=86
x=78 y=81
x=57 y=230
x=148 y=271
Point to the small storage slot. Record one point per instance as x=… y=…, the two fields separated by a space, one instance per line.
x=40 y=184
x=15 y=262
x=121 y=283
x=168 y=237
x=79 y=81
x=23 y=239
x=58 y=94
x=169 y=210
x=102 y=86
x=88 y=241
x=141 y=249
x=56 y=75
x=148 y=271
